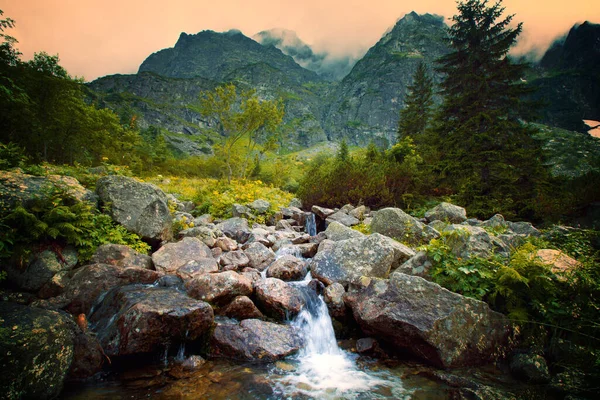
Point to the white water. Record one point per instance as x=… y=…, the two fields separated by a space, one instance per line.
x=310 y=225
x=284 y=251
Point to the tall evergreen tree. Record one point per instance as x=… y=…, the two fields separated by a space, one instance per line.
x=416 y=113
x=485 y=152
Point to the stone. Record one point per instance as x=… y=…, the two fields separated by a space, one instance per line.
x=88 y=357
x=36 y=351
x=90 y=281
x=366 y=345
x=169 y=281
x=443 y=328
x=287 y=268
x=469 y=241
x=447 y=212
x=55 y=286
x=226 y=244
x=524 y=228
x=254 y=340
x=241 y=308
x=333 y=295
x=342 y=218
x=496 y=222
x=347 y=260
x=259 y=255
x=283 y=225
x=137 y=319
x=395 y=223
x=417 y=265
x=234 y=260
x=204 y=233
x=197 y=267
x=322 y=212
x=359 y=212
x=260 y=206
x=337 y=231
x=277 y=299
x=530 y=368
x=235 y=228
x=43 y=265
x=295 y=202
x=172 y=256
x=346 y=208
x=238 y=210
x=140 y=207
x=219 y=288
x=559 y=262
x=120 y=255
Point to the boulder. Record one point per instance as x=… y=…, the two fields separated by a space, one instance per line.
x=219 y=288
x=36 y=351
x=259 y=255
x=88 y=357
x=234 y=260
x=530 y=368
x=284 y=225
x=557 y=260
x=417 y=265
x=342 y=218
x=337 y=231
x=322 y=212
x=241 y=308
x=55 y=286
x=395 y=223
x=366 y=345
x=447 y=212
x=238 y=210
x=197 y=267
x=287 y=268
x=359 y=212
x=120 y=255
x=204 y=233
x=277 y=299
x=235 y=228
x=497 y=222
x=172 y=256
x=43 y=265
x=524 y=228
x=138 y=319
x=439 y=326
x=334 y=298
x=90 y=281
x=347 y=260
x=295 y=202
x=468 y=241
x=140 y=207
x=254 y=340
x=260 y=206
x=169 y=281
x=226 y=244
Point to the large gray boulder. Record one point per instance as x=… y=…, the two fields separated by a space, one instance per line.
x=347 y=260
x=121 y=256
x=468 y=241
x=337 y=231
x=439 y=326
x=140 y=207
x=259 y=255
x=254 y=340
x=260 y=206
x=278 y=299
x=235 y=228
x=397 y=224
x=448 y=213
x=172 y=256
x=343 y=219
x=417 y=265
x=139 y=319
x=36 y=351
x=219 y=288
x=42 y=267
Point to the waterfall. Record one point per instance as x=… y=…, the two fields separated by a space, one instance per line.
x=311 y=224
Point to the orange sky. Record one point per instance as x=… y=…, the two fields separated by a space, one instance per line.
x=101 y=37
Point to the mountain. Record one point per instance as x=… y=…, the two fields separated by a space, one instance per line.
x=330 y=67
x=366 y=104
x=568 y=81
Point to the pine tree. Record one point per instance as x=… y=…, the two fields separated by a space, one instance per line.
x=416 y=113
x=486 y=153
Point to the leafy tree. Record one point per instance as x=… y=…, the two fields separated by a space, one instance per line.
x=417 y=110
x=238 y=117
x=484 y=150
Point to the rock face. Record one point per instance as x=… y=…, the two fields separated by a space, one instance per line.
x=138 y=319
x=397 y=224
x=36 y=351
x=121 y=256
x=90 y=281
x=140 y=207
x=441 y=327
x=347 y=260
x=173 y=256
x=448 y=213
x=220 y=287
x=254 y=340
x=42 y=267
x=278 y=299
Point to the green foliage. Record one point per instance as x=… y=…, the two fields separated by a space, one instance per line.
x=418 y=103
x=11 y=156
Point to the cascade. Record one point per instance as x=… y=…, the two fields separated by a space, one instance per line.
x=311 y=224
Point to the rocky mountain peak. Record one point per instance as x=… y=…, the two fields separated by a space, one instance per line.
x=580 y=49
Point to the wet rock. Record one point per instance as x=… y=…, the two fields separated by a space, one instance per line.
x=120 y=255
x=322 y=212
x=259 y=255
x=234 y=260
x=254 y=340
x=333 y=295
x=241 y=308
x=304 y=238
x=347 y=260
x=530 y=367
x=260 y=206
x=90 y=281
x=287 y=268
x=447 y=212
x=395 y=223
x=140 y=207
x=169 y=281
x=366 y=345
x=441 y=327
x=88 y=357
x=137 y=319
x=343 y=219
x=308 y=250
x=172 y=256
x=277 y=299
x=236 y=229
x=43 y=266
x=36 y=351
x=219 y=288
x=197 y=267
x=336 y=231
